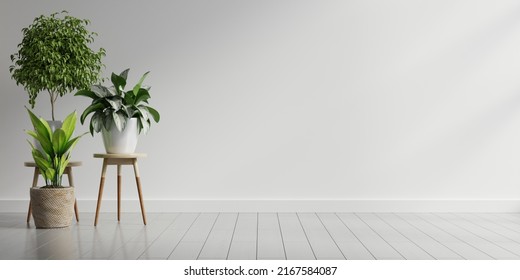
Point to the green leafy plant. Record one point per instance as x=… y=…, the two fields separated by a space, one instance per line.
x=55 y=56
x=114 y=106
x=54 y=155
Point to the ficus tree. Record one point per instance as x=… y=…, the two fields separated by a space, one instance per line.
x=55 y=56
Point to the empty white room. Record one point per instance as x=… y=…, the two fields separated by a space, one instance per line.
x=298 y=130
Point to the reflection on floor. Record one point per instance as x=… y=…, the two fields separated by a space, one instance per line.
x=240 y=236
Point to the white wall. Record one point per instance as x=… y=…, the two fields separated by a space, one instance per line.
x=290 y=99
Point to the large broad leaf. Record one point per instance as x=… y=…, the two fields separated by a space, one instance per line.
x=143 y=113
x=101 y=91
x=41 y=161
x=50 y=174
x=123 y=118
x=44 y=143
x=138 y=85
x=86 y=93
x=115 y=102
x=124 y=74
x=142 y=95
x=39 y=127
x=92 y=108
x=68 y=125
x=119 y=82
x=72 y=143
x=96 y=122
x=108 y=120
x=64 y=161
x=113 y=91
x=117 y=121
x=45 y=166
x=129 y=98
x=143 y=125
x=46 y=125
x=58 y=141
x=37 y=153
x=156 y=116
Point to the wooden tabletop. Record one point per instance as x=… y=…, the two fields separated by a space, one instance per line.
x=136 y=155
x=71 y=164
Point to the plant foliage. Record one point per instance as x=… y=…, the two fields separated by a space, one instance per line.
x=114 y=106
x=55 y=56
x=54 y=155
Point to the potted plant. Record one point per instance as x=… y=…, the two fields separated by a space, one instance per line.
x=53 y=203
x=120 y=115
x=55 y=56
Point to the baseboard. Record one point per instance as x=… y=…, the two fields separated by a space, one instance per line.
x=288 y=205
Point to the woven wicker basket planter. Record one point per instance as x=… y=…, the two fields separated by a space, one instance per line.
x=52 y=207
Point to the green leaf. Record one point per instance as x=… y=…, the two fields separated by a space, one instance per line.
x=156 y=116
x=72 y=143
x=46 y=125
x=119 y=82
x=86 y=93
x=117 y=121
x=59 y=141
x=96 y=123
x=92 y=108
x=143 y=125
x=39 y=127
x=42 y=163
x=142 y=95
x=101 y=91
x=124 y=74
x=63 y=164
x=114 y=102
x=138 y=85
x=68 y=125
x=50 y=174
x=129 y=98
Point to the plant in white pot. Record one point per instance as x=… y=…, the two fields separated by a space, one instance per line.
x=53 y=203
x=55 y=56
x=119 y=115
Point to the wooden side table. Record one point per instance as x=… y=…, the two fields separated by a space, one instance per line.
x=119 y=160
x=68 y=171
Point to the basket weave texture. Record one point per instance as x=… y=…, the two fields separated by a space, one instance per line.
x=52 y=207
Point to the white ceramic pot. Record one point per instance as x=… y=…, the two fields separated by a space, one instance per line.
x=121 y=142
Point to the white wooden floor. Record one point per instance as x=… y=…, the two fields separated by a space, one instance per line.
x=268 y=236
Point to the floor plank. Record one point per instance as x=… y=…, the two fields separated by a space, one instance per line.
x=244 y=241
x=295 y=240
x=469 y=237
x=191 y=244
x=499 y=240
x=400 y=242
x=270 y=244
x=323 y=246
x=219 y=240
x=439 y=243
x=250 y=236
x=349 y=244
x=378 y=247
x=163 y=246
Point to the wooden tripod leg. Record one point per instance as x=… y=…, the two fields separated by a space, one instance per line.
x=138 y=181
x=68 y=171
x=101 y=185
x=118 y=192
x=34 y=184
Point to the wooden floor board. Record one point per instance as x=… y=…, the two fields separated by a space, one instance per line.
x=267 y=236
x=375 y=244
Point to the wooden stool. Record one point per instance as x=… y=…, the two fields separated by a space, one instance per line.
x=119 y=159
x=68 y=171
